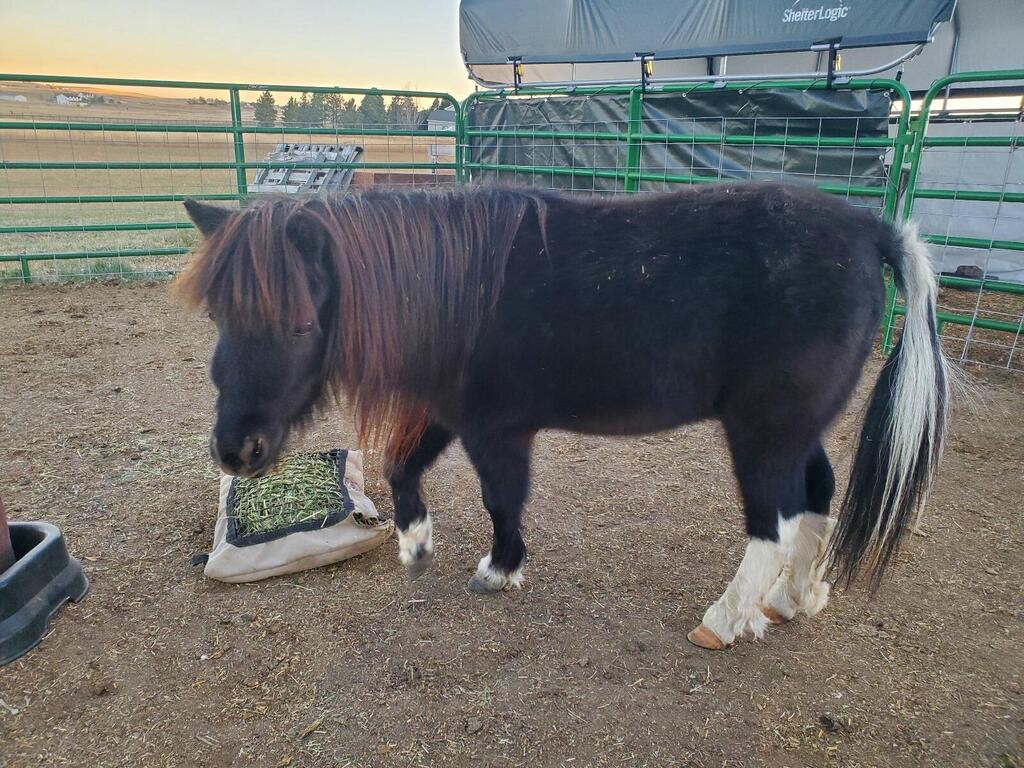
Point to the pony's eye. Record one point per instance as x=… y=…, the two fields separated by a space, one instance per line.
x=303 y=330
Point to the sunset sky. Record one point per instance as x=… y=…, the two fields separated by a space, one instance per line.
x=386 y=43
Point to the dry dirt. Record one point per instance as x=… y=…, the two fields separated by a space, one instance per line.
x=104 y=408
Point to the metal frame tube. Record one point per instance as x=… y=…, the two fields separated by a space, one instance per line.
x=653 y=82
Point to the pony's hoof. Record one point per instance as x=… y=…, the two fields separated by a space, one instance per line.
x=482 y=586
x=419 y=566
x=773 y=615
x=703 y=637
x=489 y=579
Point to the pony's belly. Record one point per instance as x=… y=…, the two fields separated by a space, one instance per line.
x=614 y=422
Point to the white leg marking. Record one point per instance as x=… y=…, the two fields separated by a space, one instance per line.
x=801 y=586
x=416 y=541
x=738 y=610
x=497 y=580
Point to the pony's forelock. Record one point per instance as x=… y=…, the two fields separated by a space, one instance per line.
x=249 y=273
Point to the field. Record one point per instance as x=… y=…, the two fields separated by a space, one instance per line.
x=104 y=413
x=35 y=145
x=20 y=145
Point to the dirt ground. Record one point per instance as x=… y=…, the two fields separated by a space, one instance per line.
x=104 y=411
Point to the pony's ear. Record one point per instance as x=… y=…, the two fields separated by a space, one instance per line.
x=207 y=218
x=306 y=233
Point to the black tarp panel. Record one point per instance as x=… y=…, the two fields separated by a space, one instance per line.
x=781 y=112
x=595 y=113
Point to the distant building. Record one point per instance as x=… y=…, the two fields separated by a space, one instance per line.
x=13 y=97
x=441 y=120
x=72 y=99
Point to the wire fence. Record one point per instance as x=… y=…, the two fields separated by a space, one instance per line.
x=92 y=187
x=965 y=190
x=614 y=140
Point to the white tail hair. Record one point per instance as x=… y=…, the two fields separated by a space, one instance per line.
x=902 y=437
x=919 y=408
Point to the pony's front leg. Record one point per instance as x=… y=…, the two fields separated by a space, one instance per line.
x=415 y=528
x=503 y=464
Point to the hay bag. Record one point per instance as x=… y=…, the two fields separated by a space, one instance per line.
x=311 y=512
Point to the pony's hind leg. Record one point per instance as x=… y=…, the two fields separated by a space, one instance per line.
x=415 y=528
x=503 y=464
x=802 y=586
x=771 y=479
x=738 y=611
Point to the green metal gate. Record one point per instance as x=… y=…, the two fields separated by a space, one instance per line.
x=631 y=134
x=115 y=185
x=103 y=194
x=986 y=314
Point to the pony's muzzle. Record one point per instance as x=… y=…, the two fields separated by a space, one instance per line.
x=247 y=456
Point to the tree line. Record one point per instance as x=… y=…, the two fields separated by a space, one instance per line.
x=331 y=110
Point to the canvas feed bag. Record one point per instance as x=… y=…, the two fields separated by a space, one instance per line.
x=351 y=531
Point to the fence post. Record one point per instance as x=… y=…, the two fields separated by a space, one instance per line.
x=889 y=316
x=239 y=142
x=461 y=115
x=905 y=136
x=26 y=272
x=636 y=112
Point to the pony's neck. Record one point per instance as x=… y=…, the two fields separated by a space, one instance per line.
x=418 y=276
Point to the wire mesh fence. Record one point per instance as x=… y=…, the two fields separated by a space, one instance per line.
x=91 y=183
x=612 y=141
x=966 y=193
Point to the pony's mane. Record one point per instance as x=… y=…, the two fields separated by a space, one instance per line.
x=414 y=275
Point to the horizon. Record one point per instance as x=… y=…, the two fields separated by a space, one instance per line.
x=333 y=44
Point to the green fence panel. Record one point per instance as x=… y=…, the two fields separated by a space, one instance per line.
x=634 y=137
x=100 y=194
x=103 y=192
x=989 y=303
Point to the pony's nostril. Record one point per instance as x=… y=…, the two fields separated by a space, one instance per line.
x=253 y=449
x=238 y=455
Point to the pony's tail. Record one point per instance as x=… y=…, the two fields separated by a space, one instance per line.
x=902 y=436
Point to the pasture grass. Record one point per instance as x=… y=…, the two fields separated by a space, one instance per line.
x=33 y=145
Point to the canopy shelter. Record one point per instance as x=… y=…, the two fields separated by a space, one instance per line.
x=535 y=42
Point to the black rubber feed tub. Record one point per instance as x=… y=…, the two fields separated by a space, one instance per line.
x=44 y=577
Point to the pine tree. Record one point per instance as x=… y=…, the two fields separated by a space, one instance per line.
x=409 y=111
x=265 y=111
x=402 y=111
x=333 y=107
x=316 y=110
x=372 y=110
x=395 y=111
x=290 y=115
x=304 y=109
x=349 y=113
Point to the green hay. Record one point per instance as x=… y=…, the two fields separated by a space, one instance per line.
x=302 y=488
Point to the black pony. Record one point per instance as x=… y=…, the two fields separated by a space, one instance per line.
x=489 y=314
